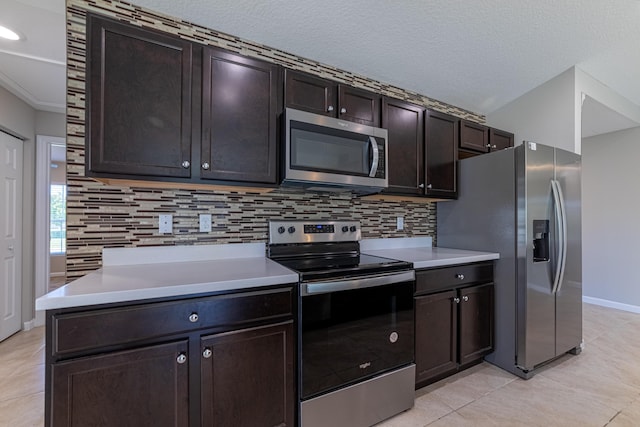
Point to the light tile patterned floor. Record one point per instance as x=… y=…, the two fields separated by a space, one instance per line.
x=600 y=387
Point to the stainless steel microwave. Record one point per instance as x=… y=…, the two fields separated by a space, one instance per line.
x=325 y=153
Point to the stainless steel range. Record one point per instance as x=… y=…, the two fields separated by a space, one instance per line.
x=356 y=333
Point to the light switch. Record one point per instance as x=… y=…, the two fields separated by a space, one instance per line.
x=205 y=223
x=400 y=223
x=165 y=224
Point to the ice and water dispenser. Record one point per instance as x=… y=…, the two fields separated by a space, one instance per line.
x=540 y=240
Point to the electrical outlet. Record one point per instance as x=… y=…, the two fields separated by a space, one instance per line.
x=165 y=224
x=400 y=223
x=205 y=223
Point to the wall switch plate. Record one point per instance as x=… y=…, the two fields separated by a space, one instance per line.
x=205 y=223
x=400 y=223
x=165 y=224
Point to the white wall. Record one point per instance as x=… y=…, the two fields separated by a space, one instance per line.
x=21 y=120
x=545 y=115
x=610 y=207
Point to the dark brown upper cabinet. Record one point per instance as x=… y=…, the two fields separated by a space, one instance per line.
x=499 y=139
x=139 y=101
x=161 y=108
x=441 y=155
x=320 y=96
x=240 y=106
x=474 y=136
x=405 y=124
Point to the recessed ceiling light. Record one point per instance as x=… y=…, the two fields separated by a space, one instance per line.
x=6 y=33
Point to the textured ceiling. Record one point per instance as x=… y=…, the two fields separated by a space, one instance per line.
x=475 y=54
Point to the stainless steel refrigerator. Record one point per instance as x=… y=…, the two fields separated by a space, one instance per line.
x=524 y=203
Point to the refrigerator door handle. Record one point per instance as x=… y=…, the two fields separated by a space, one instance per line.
x=561 y=220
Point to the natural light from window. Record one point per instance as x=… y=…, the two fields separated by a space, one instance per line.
x=58 y=215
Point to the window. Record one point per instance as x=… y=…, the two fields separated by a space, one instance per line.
x=58 y=219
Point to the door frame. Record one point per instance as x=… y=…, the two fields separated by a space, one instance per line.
x=42 y=231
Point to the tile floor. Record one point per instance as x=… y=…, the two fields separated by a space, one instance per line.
x=600 y=387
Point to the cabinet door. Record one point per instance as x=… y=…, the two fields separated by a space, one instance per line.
x=248 y=377
x=139 y=101
x=239 y=118
x=358 y=105
x=143 y=387
x=499 y=139
x=474 y=136
x=441 y=154
x=476 y=322
x=436 y=336
x=309 y=93
x=405 y=123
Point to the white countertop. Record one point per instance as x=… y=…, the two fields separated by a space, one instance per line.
x=118 y=282
x=421 y=254
x=130 y=274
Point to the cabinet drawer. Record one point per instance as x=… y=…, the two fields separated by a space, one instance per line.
x=438 y=279
x=90 y=330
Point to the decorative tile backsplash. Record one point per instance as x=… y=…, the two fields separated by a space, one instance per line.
x=100 y=215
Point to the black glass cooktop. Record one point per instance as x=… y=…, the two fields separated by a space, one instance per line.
x=334 y=266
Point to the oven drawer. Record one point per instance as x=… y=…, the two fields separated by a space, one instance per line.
x=82 y=332
x=438 y=279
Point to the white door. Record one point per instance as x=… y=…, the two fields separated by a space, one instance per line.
x=10 y=235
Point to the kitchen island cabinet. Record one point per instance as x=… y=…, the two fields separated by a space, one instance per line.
x=216 y=360
x=454 y=319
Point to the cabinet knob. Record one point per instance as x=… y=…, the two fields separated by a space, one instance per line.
x=456 y=300
x=330 y=108
x=488 y=145
x=193 y=318
x=494 y=146
x=186 y=164
x=182 y=358
x=460 y=276
x=343 y=110
x=465 y=298
x=206 y=166
x=421 y=186
x=207 y=353
x=429 y=186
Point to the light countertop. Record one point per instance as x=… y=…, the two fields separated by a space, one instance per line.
x=420 y=252
x=120 y=281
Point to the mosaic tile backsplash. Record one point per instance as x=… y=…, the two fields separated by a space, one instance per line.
x=100 y=215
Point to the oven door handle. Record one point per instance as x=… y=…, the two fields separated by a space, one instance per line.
x=316 y=288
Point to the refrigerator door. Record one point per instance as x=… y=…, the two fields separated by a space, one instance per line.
x=536 y=320
x=569 y=294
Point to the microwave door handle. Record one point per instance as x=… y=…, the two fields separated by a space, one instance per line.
x=376 y=156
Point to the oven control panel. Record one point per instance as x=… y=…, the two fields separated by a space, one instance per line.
x=309 y=231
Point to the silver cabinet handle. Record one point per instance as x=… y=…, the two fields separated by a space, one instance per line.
x=465 y=298
x=186 y=164
x=429 y=186
x=207 y=353
x=456 y=300
x=421 y=186
x=343 y=110
x=182 y=358
x=193 y=318
x=460 y=276
x=206 y=166
x=330 y=108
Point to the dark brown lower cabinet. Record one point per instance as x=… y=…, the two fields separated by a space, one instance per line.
x=147 y=386
x=247 y=377
x=454 y=328
x=222 y=360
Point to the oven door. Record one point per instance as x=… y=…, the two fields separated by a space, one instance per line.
x=331 y=151
x=355 y=329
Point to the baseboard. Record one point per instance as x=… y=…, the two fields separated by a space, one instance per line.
x=60 y=274
x=611 y=304
x=27 y=326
